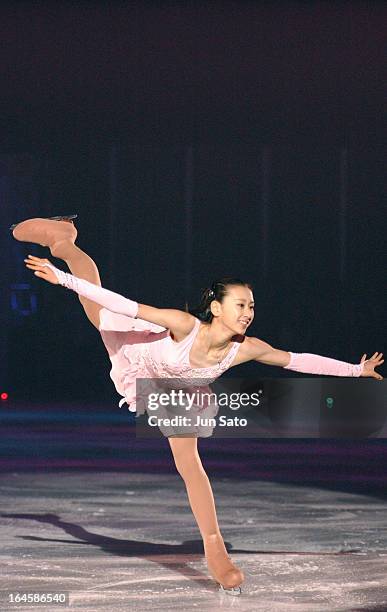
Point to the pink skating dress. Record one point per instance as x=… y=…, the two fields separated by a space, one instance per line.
x=139 y=349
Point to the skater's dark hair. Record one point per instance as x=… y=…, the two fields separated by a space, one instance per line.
x=217 y=291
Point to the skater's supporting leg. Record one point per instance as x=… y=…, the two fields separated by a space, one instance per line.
x=189 y=466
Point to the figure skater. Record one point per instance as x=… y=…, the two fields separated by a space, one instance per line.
x=148 y=342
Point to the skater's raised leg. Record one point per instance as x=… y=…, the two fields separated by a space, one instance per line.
x=83 y=266
x=59 y=237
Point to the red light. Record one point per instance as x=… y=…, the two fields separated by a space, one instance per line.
x=4 y=396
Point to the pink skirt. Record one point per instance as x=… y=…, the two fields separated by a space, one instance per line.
x=125 y=339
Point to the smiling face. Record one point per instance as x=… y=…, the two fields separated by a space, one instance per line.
x=236 y=311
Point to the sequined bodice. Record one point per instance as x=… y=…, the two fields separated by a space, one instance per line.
x=147 y=351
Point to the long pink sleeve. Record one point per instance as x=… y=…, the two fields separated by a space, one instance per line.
x=106 y=298
x=315 y=364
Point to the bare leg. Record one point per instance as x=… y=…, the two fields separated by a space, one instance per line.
x=201 y=499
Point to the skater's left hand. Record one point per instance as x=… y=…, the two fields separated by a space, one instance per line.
x=371 y=364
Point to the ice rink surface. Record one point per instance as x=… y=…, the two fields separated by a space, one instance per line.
x=127 y=541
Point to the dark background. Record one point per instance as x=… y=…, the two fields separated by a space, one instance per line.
x=194 y=139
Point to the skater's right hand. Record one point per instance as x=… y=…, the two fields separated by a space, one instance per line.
x=37 y=265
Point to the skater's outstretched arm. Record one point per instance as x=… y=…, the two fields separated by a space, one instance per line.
x=310 y=363
x=178 y=321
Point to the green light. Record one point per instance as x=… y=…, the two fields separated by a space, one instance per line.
x=329 y=402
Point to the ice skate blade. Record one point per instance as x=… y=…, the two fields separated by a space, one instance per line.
x=233 y=591
x=58 y=218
